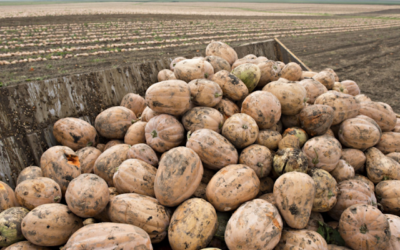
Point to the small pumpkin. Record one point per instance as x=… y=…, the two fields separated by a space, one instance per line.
x=223 y=50
x=331 y=71
x=316 y=119
x=381 y=112
x=326 y=78
x=232 y=87
x=205 y=92
x=165 y=75
x=389 y=142
x=147 y=114
x=144 y=153
x=269 y=72
x=134 y=102
x=29 y=173
x=326 y=190
x=218 y=63
x=135 y=133
x=241 y=130
x=351 y=87
x=10 y=225
x=355 y=157
x=394 y=225
x=269 y=139
x=314 y=89
x=227 y=108
x=74 y=133
x=292 y=72
x=257 y=157
x=298 y=132
x=87 y=157
x=113 y=122
x=203 y=117
x=388 y=194
x=343 y=171
x=380 y=167
x=301 y=239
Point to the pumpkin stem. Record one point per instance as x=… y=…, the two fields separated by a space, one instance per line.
x=189 y=134
x=341 y=89
x=330 y=194
x=261 y=166
x=305 y=100
x=245 y=127
x=133 y=121
x=154 y=134
x=89 y=144
x=217 y=95
x=364 y=229
x=385 y=178
x=205 y=75
x=57 y=199
x=220 y=125
x=315 y=160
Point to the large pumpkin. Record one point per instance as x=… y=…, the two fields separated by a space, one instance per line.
x=191 y=69
x=25 y=245
x=356 y=158
x=165 y=75
x=343 y=171
x=292 y=72
x=31 y=172
x=227 y=108
x=255 y=225
x=74 y=133
x=87 y=157
x=134 y=102
x=231 y=186
x=394 y=224
x=7 y=197
x=257 y=157
x=135 y=133
x=388 y=194
x=143 y=152
x=381 y=112
x=269 y=72
x=326 y=190
x=241 y=130
x=269 y=139
x=380 y=167
x=203 y=117
x=113 y=122
x=314 y=89
x=205 y=92
x=223 y=50
x=218 y=63
x=389 y=142
x=301 y=240
x=316 y=119
x=10 y=225
x=232 y=87
x=326 y=78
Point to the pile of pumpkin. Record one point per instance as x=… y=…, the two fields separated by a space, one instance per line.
x=223 y=153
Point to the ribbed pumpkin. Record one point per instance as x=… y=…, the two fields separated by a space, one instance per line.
x=241 y=130
x=326 y=78
x=316 y=119
x=227 y=108
x=191 y=69
x=359 y=133
x=165 y=75
x=364 y=179
x=314 y=89
x=10 y=225
x=25 y=245
x=135 y=176
x=257 y=157
x=255 y=225
x=164 y=132
x=87 y=157
x=232 y=86
x=103 y=216
x=178 y=176
x=352 y=192
x=269 y=72
x=218 y=63
x=108 y=236
x=35 y=192
x=112 y=143
x=135 y=133
x=294 y=194
x=354 y=157
x=263 y=107
x=362 y=98
x=41 y=227
x=326 y=190
x=395 y=156
x=381 y=112
x=343 y=171
x=269 y=139
x=29 y=173
x=141 y=211
x=323 y=152
x=144 y=153
x=301 y=239
x=223 y=50
x=364 y=227
x=134 y=102
x=292 y=72
x=380 y=167
x=175 y=61
x=203 y=117
x=205 y=92
x=351 y=87
x=169 y=97
x=74 y=133
x=60 y=164
x=389 y=142
x=113 y=122
x=388 y=194
x=231 y=186
x=291 y=95
x=214 y=150
x=147 y=114
x=394 y=224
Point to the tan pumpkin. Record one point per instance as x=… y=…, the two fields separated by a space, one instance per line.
x=381 y=112
x=135 y=176
x=351 y=87
x=165 y=75
x=397 y=126
x=50 y=225
x=344 y=106
x=203 y=117
x=232 y=186
x=174 y=185
x=269 y=72
x=314 y=89
x=395 y=156
x=307 y=74
x=241 y=130
x=193 y=225
x=363 y=98
x=394 y=225
x=292 y=72
x=316 y=119
x=218 y=63
x=108 y=162
x=87 y=195
x=268 y=197
x=326 y=78
x=7 y=197
x=380 y=167
x=389 y=142
x=326 y=190
x=134 y=102
x=294 y=194
x=269 y=139
x=388 y=194
x=135 y=133
x=141 y=211
x=263 y=107
x=354 y=157
x=365 y=180
x=359 y=133
x=112 y=143
x=214 y=150
x=144 y=153
x=352 y=192
x=205 y=92
x=227 y=108
x=232 y=87
x=29 y=173
x=339 y=87
x=35 y=192
x=87 y=157
x=343 y=171
x=60 y=164
x=301 y=240
x=175 y=61
x=223 y=50
x=257 y=157
x=323 y=152
x=364 y=227
x=255 y=225
x=191 y=69
x=25 y=245
x=147 y=114
x=244 y=60
x=313 y=223
x=331 y=71
x=108 y=236
x=164 y=132
x=113 y=122
x=74 y=133
x=297 y=132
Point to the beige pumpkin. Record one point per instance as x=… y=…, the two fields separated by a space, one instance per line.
x=191 y=69
x=203 y=117
x=112 y=143
x=365 y=180
x=389 y=142
x=380 y=167
x=291 y=71
x=218 y=63
x=113 y=122
x=135 y=133
x=134 y=102
x=307 y=74
x=147 y=114
x=223 y=50
x=356 y=158
x=388 y=195
x=339 y=87
x=363 y=98
x=31 y=172
x=326 y=190
x=165 y=75
x=205 y=92
x=269 y=139
x=269 y=72
x=314 y=89
x=144 y=153
x=394 y=224
x=301 y=240
x=257 y=157
x=227 y=108
x=331 y=71
x=326 y=78
x=74 y=133
x=175 y=61
x=232 y=87
x=87 y=157
x=343 y=171
x=351 y=87
x=241 y=130
x=316 y=119
x=381 y=112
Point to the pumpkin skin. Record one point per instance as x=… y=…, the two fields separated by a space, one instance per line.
x=292 y=72
x=227 y=108
x=332 y=72
x=263 y=107
x=136 y=133
x=388 y=194
x=175 y=61
x=351 y=87
x=10 y=225
x=112 y=143
x=144 y=153
x=254 y=225
x=191 y=69
x=327 y=79
x=141 y=211
x=352 y=192
x=365 y=180
x=323 y=152
x=381 y=167
x=214 y=150
x=203 y=117
x=50 y=225
x=87 y=157
x=109 y=235
x=29 y=173
x=294 y=194
x=25 y=245
x=314 y=89
x=232 y=86
x=74 y=133
x=359 y=133
x=395 y=156
x=165 y=75
x=7 y=197
x=223 y=50
x=205 y=92
x=343 y=171
x=193 y=225
x=135 y=176
x=103 y=216
x=218 y=63
x=381 y=112
x=389 y=142
x=291 y=95
x=174 y=185
x=60 y=164
x=364 y=227
x=241 y=130
x=113 y=122
x=289 y=160
x=147 y=114
x=313 y=223
x=354 y=157
x=269 y=139
x=316 y=119
x=326 y=190
x=397 y=126
x=298 y=132
x=134 y=102
x=257 y=157
x=231 y=186
x=269 y=72
x=394 y=224
x=301 y=240
x=35 y=192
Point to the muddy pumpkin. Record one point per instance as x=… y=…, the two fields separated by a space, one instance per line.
x=389 y=142
x=25 y=245
x=218 y=63
x=257 y=157
x=10 y=225
x=343 y=171
x=223 y=50
x=356 y=158
x=290 y=160
x=269 y=72
x=113 y=122
x=165 y=75
x=175 y=61
x=28 y=173
x=203 y=117
x=227 y=108
x=134 y=102
x=316 y=119
x=381 y=112
x=241 y=130
x=269 y=139
x=314 y=89
x=7 y=197
x=326 y=78
x=205 y=92
x=74 y=133
x=301 y=239
x=41 y=228
x=232 y=87
x=87 y=157
x=292 y=72
x=394 y=224
x=326 y=190
x=135 y=133
x=380 y=167
x=388 y=194
x=144 y=153
x=148 y=113
x=191 y=69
